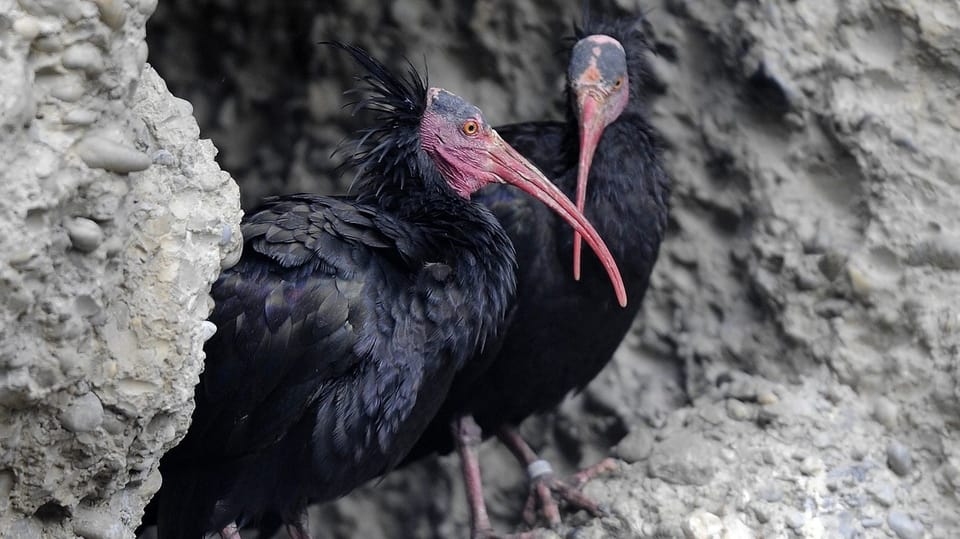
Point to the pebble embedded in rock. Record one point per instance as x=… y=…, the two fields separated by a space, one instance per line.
x=207 y=330
x=767 y=397
x=112 y=12
x=899 y=459
x=83 y=56
x=92 y=524
x=226 y=234
x=734 y=528
x=831 y=264
x=684 y=459
x=98 y=152
x=770 y=493
x=85 y=235
x=147 y=7
x=859 y=451
x=739 y=411
x=165 y=158
x=80 y=117
x=811 y=466
x=859 y=281
x=761 y=513
x=636 y=446
x=904 y=526
x=28 y=27
x=885 y=412
x=68 y=88
x=884 y=494
x=795 y=520
x=702 y=525
x=84 y=414
x=112 y=424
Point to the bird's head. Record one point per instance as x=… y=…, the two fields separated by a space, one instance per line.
x=470 y=154
x=599 y=81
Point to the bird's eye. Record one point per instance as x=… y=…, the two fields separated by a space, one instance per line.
x=618 y=83
x=470 y=127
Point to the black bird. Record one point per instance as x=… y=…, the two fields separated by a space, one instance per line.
x=564 y=332
x=341 y=327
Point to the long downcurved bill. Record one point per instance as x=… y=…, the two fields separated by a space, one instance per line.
x=591 y=129
x=512 y=168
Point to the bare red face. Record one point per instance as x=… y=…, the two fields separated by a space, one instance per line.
x=469 y=154
x=598 y=79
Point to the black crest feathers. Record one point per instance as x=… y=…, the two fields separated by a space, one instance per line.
x=382 y=152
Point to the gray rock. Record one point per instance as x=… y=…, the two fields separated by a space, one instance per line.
x=635 y=446
x=883 y=493
x=899 y=459
x=904 y=526
x=85 y=57
x=91 y=524
x=80 y=117
x=770 y=493
x=795 y=519
x=811 y=465
x=85 y=234
x=77 y=333
x=739 y=411
x=83 y=414
x=885 y=412
x=702 y=525
x=684 y=459
x=858 y=169
x=100 y=152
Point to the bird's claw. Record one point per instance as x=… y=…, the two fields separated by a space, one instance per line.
x=230 y=531
x=545 y=489
x=490 y=534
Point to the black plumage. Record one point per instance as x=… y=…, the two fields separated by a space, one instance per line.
x=341 y=327
x=564 y=331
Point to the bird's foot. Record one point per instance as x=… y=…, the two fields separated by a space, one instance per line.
x=298 y=531
x=546 y=489
x=490 y=534
x=230 y=531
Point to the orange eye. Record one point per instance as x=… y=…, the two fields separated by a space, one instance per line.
x=470 y=127
x=618 y=83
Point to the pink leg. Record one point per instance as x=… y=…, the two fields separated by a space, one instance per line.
x=298 y=531
x=544 y=485
x=231 y=531
x=468 y=436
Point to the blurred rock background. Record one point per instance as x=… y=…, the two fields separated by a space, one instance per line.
x=794 y=372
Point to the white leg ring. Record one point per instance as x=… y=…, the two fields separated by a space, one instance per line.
x=538 y=468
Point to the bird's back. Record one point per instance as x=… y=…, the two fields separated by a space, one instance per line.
x=329 y=359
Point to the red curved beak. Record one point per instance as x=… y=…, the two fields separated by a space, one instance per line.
x=510 y=167
x=591 y=129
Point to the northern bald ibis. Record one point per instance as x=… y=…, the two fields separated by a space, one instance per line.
x=343 y=324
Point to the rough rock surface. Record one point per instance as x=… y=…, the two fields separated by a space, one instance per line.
x=795 y=370
x=114 y=221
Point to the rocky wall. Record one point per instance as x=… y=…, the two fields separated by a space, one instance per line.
x=794 y=372
x=114 y=221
